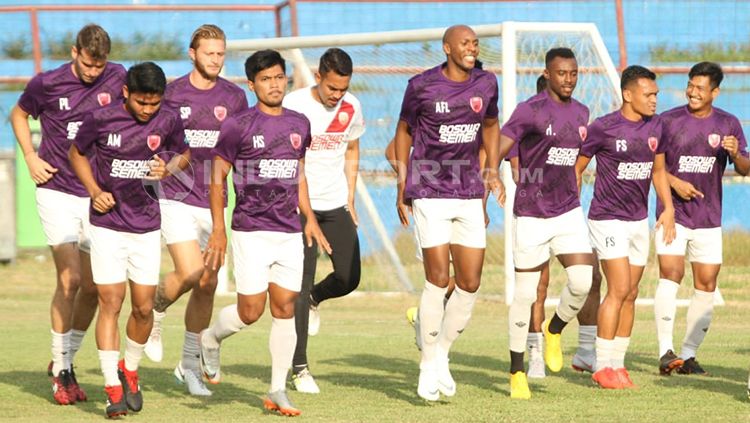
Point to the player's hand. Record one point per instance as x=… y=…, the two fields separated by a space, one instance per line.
x=353 y=213
x=731 y=144
x=686 y=190
x=666 y=222
x=313 y=232
x=39 y=170
x=103 y=202
x=403 y=211
x=158 y=169
x=213 y=256
x=493 y=184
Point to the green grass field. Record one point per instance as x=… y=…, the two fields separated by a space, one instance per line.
x=367 y=366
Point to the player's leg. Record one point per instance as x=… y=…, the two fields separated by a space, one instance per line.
x=585 y=357
x=617 y=273
x=535 y=340
x=286 y=276
x=84 y=310
x=433 y=222
x=705 y=255
x=671 y=271
x=302 y=379
x=341 y=233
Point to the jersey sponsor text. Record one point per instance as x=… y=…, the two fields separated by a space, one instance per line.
x=634 y=171
x=278 y=168
x=201 y=138
x=459 y=134
x=129 y=169
x=560 y=156
x=72 y=129
x=696 y=164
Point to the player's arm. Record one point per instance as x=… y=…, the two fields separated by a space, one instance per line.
x=491 y=171
x=101 y=201
x=161 y=169
x=482 y=163
x=390 y=154
x=351 y=167
x=661 y=185
x=312 y=229
x=684 y=189
x=741 y=163
x=402 y=143
x=581 y=164
x=40 y=170
x=213 y=256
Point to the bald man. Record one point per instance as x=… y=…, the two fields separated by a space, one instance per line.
x=447 y=114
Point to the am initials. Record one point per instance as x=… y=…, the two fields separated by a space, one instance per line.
x=442 y=107
x=114 y=140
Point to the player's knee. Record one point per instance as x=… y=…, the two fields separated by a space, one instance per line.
x=579 y=279
x=524 y=294
x=282 y=311
x=68 y=283
x=632 y=295
x=349 y=278
x=190 y=278
x=438 y=277
x=672 y=274
x=596 y=280
x=250 y=313
x=143 y=311
x=618 y=293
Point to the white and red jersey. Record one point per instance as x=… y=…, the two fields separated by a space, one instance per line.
x=332 y=130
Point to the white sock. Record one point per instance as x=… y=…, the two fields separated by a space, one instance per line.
x=699 y=315
x=604 y=351
x=431 y=314
x=58 y=352
x=621 y=344
x=457 y=316
x=159 y=316
x=575 y=291
x=665 y=309
x=519 y=313
x=76 y=339
x=191 y=351
x=587 y=338
x=133 y=354
x=535 y=342
x=108 y=362
x=281 y=342
x=227 y=324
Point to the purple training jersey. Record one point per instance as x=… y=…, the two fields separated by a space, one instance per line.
x=694 y=154
x=265 y=152
x=548 y=135
x=61 y=100
x=123 y=148
x=202 y=112
x=445 y=118
x=625 y=152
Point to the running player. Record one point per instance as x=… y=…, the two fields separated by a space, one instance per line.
x=331 y=165
x=266 y=146
x=700 y=139
x=204 y=101
x=549 y=128
x=448 y=112
x=61 y=98
x=629 y=150
x=131 y=143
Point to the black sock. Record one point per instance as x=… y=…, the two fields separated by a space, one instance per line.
x=298 y=368
x=516 y=362
x=556 y=325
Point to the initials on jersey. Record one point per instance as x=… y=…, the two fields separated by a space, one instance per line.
x=258 y=141
x=114 y=140
x=442 y=107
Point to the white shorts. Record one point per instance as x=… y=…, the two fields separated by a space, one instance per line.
x=261 y=257
x=442 y=221
x=121 y=256
x=65 y=218
x=419 y=247
x=182 y=222
x=535 y=238
x=703 y=245
x=617 y=238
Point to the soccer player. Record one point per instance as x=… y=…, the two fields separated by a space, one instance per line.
x=60 y=98
x=331 y=164
x=204 y=101
x=131 y=142
x=549 y=128
x=629 y=150
x=447 y=113
x=266 y=146
x=700 y=140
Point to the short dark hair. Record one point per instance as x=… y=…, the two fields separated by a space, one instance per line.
x=553 y=53
x=337 y=60
x=478 y=64
x=541 y=84
x=633 y=73
x=262 y=60
x=146 y=78
x=711 y=70
x=95 y=40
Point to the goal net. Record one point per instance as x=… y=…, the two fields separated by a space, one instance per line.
x=383 y=64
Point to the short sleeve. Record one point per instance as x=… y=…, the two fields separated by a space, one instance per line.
x=176 y=138
x=594 y=140
x=513 y=153
x=87 y=134
x=661 y=146
x=740 y=135
x=358 y=124
x=32 y=99
x=492 y=109
x=307 y=139
x=410 y=105
x=227 y=146
x=519 y=123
